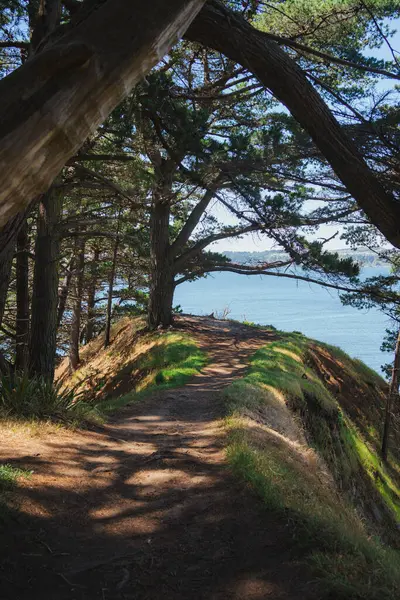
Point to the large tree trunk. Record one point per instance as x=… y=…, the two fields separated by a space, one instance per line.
x=91 y=297
x=77 y=305
x=162 y=275
x=392 y=395
x=42 y=352
x=218 y=27
x=50 y=105
x=22 y=287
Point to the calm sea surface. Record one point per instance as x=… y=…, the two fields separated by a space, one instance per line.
x=291 y=306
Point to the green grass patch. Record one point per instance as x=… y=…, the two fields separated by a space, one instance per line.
x=326 y=530
x=280 y=365
x=170 y=363
x=374 y=468
x=9 y=476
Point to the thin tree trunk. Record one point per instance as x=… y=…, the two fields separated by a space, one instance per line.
x=392 y=395
x=162 y=277
x=228 y=32
x=42 y=352
x=77 y=304
x=110 y=294
x=52 y=103
x=8 y=240
x=22 y=321
x=63 y=293
x=91 y=297
x=5 y=274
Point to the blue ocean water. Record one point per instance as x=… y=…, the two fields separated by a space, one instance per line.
x=291 y=306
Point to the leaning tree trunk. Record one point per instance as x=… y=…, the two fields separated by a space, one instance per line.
x=392 y=395
x=228 y=32
x=91 y=297
x=22 y=291
x=42 y=351
x=162 y=276
x=79 y=74
x=77 y=305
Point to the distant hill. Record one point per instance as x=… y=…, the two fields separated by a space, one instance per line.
x=364 y=257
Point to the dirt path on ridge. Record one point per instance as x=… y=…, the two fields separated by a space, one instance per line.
x=146 y=509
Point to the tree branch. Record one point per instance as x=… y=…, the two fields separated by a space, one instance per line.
x=15 y=44
x=329 y=57
x=246 y=270
x=191 y=223
x=110 y=184
x=201 y=244
x=227 y=32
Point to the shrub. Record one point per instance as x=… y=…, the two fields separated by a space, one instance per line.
x=34 y=397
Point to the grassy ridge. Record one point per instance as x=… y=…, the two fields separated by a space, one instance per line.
x=170 y=362
x=268 y=450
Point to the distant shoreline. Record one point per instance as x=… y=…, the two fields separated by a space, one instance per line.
x=365 y=257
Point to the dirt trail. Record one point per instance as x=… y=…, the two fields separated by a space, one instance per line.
x=146 y=508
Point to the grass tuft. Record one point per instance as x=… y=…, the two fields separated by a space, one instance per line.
x=34 y=398
x=9 y=476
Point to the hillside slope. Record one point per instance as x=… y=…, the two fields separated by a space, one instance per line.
x=145 y=507
x=338 y=402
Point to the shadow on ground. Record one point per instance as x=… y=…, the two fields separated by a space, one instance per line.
x=146 y=508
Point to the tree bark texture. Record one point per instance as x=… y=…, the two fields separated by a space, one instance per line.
x=42 y=352
x=52 y=103
x=110 y=294
x=91 y=297
x=392 y=395
x=22 y=287
x=45 y=21
x=77 y=305
x=63 y=292
x=162 y=273
x=8 y=240
x=225 y=31
x=5 y=274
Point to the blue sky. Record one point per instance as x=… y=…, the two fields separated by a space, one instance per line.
x=257 y=243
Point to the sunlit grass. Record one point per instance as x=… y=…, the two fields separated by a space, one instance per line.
x=374 y=468
x=170 y=362
x=265 y=451
x=9 y=476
